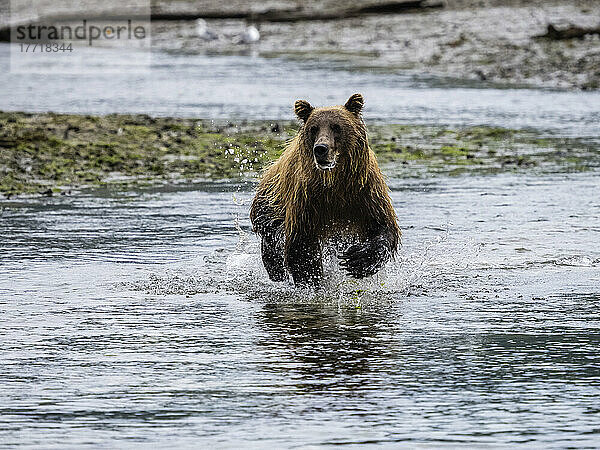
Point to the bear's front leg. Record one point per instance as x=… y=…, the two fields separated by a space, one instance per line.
x=368 y=257
x=266 y=222
x=272 y=250
x=304 y=261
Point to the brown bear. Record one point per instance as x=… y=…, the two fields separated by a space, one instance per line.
x=325 y=186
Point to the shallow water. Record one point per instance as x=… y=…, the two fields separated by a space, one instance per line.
x=145 y=318
x=242 y=87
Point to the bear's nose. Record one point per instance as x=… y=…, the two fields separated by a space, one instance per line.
x=320 y=150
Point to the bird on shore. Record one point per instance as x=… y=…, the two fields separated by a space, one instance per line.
x=249 y=36
x=203 y=31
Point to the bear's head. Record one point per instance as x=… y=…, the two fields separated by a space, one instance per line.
x=332 y=134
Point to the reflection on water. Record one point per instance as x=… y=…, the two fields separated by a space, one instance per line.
x=145 y=317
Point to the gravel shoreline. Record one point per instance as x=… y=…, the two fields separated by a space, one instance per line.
x=487 y=41
x=483 y=40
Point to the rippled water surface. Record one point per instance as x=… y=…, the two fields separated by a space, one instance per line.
x=145 y=318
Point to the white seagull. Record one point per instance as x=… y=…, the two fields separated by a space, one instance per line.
x=249 y=36
x=203 y=32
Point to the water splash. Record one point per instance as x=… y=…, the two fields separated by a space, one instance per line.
x=420 y=267
x=240 y=271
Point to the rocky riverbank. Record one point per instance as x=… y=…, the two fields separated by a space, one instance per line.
x=479 y=40
x=483 y=41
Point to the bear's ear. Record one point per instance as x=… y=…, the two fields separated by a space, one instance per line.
x=302 y=109
x=355 y=103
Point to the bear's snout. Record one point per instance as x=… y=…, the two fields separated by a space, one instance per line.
x=323 y=157
x=321 y=150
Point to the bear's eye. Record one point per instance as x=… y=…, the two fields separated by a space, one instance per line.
x=313 y=130
x=336 y=128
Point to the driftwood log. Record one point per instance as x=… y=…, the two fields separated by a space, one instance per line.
x=397 y=7
x=301 y=14
x=571 y=32
x=270 y=15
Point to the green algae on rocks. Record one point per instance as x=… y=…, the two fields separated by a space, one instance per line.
x=48 y=153
x=39 y=152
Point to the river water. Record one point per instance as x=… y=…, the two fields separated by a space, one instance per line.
x=243 y=87
x=144 y=317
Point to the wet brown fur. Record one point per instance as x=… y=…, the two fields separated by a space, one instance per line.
x=350 y=198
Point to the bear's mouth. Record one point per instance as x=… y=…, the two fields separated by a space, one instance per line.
x=325 y=165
